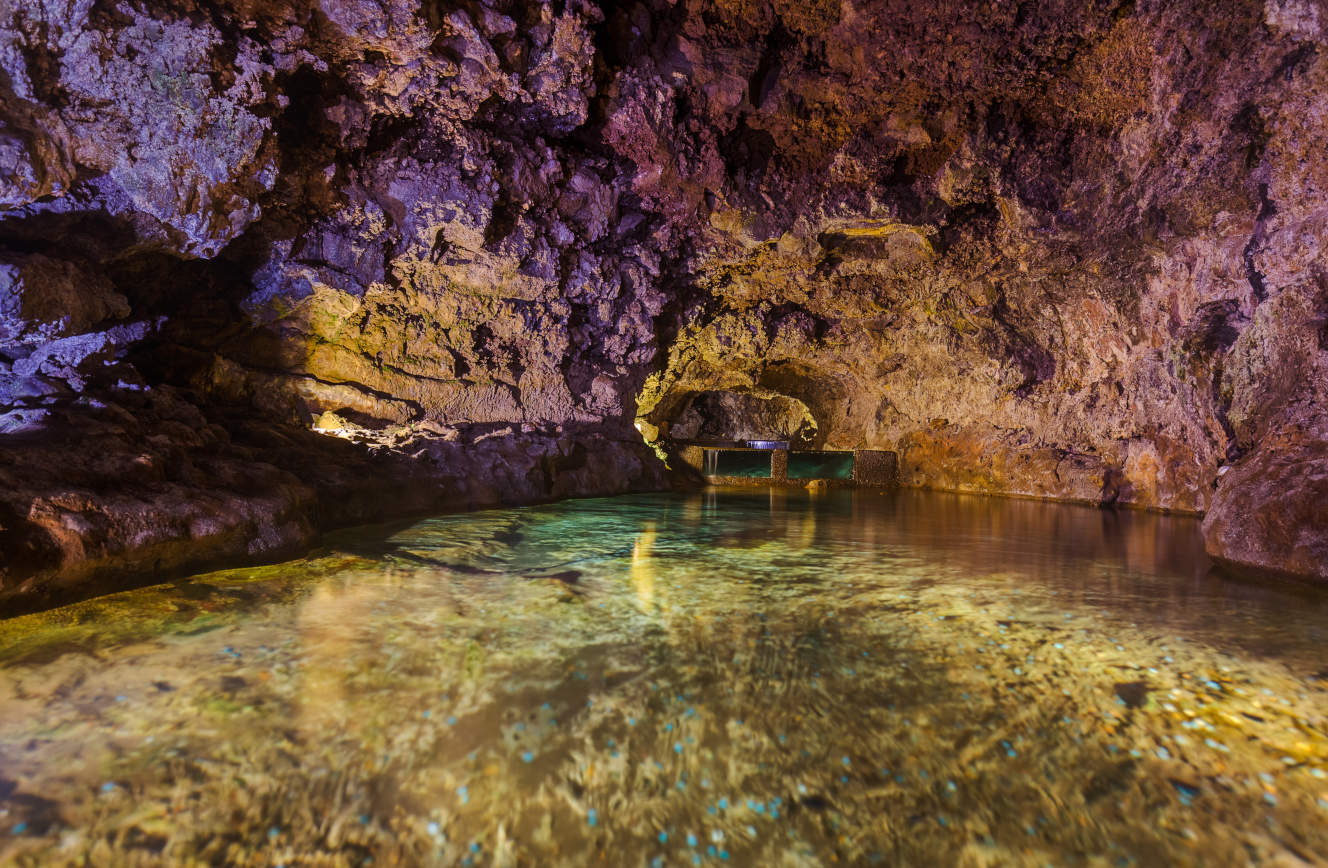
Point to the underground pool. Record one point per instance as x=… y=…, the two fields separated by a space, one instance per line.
x=716 y=677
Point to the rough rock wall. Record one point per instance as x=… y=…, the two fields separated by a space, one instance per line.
x=1068 y=249
x=400 y=219
x=1057 y=249
x=228 y=222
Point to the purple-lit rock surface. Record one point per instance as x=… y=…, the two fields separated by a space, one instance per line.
x=269 y=266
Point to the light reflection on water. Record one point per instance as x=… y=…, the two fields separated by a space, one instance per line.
x=730 y=676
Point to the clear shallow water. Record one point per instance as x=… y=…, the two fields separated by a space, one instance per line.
x=741 y=677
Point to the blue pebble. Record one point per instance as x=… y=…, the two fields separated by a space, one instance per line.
x=528 y=756
x=107 y=787
x=427 y=714
x=592 y=817
x=19 y=828
x=723 y=804
x=677 y=747
x=846 y=761
x=273 y=832
x=474 y=848
x=663 y=837
x=691 y=840
x=1186 y=793
x=433 y=829
x=451 y=721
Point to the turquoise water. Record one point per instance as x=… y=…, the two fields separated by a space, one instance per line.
x=739 y=463
x=820 y=465
x=715 y=678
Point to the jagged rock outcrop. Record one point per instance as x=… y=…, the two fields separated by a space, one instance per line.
x=1066 y=249
x=165 y=489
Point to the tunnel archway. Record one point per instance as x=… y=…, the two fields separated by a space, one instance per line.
x=725 y=415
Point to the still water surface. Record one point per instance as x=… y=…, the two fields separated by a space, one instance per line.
x=684 y=679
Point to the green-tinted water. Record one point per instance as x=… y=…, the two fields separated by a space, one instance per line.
x=740 y=463
x=820 y=465
x=752 y=678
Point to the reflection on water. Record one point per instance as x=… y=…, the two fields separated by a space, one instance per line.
x=759 y=678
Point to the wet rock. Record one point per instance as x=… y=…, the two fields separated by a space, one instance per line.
x=1133 y=693
x=170 y=491
x=1271 y=510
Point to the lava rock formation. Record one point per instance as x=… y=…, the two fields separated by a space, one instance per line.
x=1066 y=249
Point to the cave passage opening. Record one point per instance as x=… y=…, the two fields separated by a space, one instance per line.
x=726 y=416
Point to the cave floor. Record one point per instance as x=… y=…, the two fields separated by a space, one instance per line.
x=729 y=676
